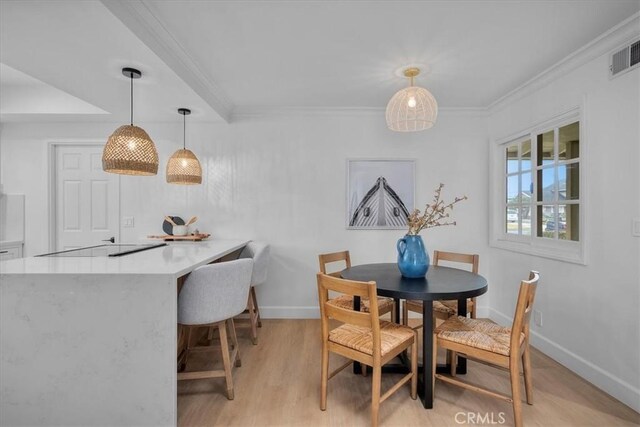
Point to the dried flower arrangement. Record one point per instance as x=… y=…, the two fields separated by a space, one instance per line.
x=434 y=215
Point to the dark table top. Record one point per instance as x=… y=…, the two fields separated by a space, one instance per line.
x=441 y=283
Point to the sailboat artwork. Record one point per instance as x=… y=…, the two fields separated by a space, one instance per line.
x=380 y=207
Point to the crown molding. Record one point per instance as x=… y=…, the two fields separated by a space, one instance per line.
x=141 y=20
x=257 y=112
x=603 y=44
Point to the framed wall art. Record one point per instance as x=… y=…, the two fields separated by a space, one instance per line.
x=380 y=193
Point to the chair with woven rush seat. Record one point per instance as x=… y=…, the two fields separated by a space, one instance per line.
x=445 y=309
x=487 y=342
x=212 y=295
x=259 y=253
x=385 y=305
x=362 y=337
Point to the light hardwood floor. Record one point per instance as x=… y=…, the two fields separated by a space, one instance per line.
x=278 y=384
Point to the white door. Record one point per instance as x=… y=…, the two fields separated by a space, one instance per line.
x=87 y=198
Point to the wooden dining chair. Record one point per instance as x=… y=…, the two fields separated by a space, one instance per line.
x=488 y=342
x=445 y=309
x=385 y=305
x=362 y=337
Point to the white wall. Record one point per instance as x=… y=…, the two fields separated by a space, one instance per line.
x=280 y=179
x=591 y=320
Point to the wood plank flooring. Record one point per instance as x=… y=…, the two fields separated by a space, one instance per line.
x=278 y=384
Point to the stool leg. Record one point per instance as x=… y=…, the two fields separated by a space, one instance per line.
x=253 y=320
x=255 y=303
x=234 y=341
x=224 y=347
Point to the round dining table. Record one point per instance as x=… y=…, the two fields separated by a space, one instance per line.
x=440 y=283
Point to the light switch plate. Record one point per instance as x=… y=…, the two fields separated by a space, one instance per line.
x=636 y=227
x=128 y=221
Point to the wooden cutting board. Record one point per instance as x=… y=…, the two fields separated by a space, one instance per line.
x=190 y=237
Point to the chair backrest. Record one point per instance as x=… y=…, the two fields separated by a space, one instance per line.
x=325 y=259
x=259 y=253
x=215 y=292
x=524 y=307
x=328 y=311
x=471 y=259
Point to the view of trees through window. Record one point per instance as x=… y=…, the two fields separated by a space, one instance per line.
x=542 y=173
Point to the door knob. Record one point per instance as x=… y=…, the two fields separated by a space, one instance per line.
x=112 y=240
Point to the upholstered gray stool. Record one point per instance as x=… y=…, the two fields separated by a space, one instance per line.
x=212 y=295
x=259 y=253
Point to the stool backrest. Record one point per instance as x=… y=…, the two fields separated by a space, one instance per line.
x=215 y=292
x=259 y=253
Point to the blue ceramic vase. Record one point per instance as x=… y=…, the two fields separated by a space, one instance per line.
x=413 y=260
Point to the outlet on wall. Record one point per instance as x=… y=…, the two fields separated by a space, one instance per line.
x=635 y=231
x=128 y=221
x=537 y=317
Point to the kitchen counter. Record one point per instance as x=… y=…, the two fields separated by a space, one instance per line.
x=176 y=259
x=92 y=341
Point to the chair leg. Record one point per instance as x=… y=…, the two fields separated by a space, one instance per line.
x=393 y=312
x=375 y=395
x=453 y=361
x=434 y=363
x=253 y=320
x=405 y=313
x=473 y=308
x=255 y=305
x=526 y=367
x=224 y=347
x=234 y=341
x=414 y=366
x=324 y=376
x=514 y=373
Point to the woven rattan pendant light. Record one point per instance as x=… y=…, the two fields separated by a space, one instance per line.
x=413 y=108
x=129 y=149
x=183 y=166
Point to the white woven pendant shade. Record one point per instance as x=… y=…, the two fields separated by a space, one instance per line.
x=184 y=168
x=411 y=109
x=130 y=151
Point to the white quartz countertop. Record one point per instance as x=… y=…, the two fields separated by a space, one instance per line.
x=177 y=259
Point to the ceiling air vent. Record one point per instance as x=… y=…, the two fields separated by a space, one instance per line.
x=625 y=59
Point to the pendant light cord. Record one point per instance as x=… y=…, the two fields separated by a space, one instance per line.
x=131 y=99
x=184 y=131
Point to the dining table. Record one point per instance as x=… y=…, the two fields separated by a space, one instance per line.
x=440 y=283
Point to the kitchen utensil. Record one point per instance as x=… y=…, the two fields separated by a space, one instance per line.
x=180 y=230
x=170 y=220
x=191 y=237
x=192 y=220
x=167 y=227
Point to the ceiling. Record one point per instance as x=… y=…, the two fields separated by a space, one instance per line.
x=221 y=56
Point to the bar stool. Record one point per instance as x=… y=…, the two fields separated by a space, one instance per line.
x=259 y=253
x=212 y=296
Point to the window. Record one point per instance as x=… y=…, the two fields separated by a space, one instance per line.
x=539 y=208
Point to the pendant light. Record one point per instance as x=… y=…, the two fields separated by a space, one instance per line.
x=129 y=149
x=183 y=166
x=413 y=108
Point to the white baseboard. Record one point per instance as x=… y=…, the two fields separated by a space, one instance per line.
x=609 y=383
x=289 y=312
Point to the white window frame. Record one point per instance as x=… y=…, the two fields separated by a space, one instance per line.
x=563 y=250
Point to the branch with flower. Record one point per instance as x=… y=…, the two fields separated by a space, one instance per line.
x=435 y=214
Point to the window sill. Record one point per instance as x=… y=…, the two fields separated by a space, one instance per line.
x=559 y=251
